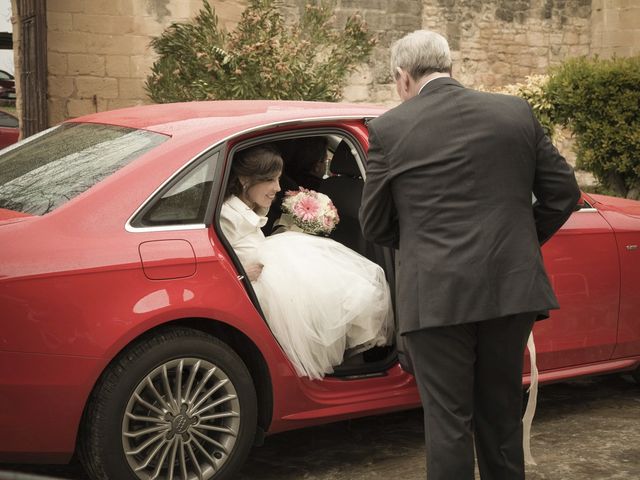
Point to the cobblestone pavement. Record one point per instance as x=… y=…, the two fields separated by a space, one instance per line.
x=585 y=429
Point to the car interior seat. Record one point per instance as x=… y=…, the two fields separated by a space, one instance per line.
x=344 y=187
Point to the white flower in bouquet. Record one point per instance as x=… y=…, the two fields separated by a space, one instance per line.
x=310 y=211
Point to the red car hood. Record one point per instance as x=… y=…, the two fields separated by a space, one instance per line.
x=623 y=205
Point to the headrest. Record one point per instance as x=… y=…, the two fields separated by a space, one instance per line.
x=343 y=161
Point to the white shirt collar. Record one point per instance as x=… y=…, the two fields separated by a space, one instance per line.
x=255 y=218
x=432 y=77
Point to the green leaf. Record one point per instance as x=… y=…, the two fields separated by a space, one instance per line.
x=262 y=58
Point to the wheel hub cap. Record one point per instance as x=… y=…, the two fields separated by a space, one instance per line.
x=182 y=423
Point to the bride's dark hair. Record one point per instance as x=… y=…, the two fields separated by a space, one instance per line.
x=259 y=164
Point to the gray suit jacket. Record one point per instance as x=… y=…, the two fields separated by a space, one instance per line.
x=450 y=175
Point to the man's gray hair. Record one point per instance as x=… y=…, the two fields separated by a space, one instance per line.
x=420 y=53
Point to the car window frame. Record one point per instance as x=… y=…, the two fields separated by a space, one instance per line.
x=252 y=133
x=215 y=153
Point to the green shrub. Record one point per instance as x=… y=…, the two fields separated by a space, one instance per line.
x=261 y=58
x=599 y=100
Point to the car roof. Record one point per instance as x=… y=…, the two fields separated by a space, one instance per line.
x=226 y=117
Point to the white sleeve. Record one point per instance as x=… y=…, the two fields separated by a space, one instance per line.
x=229 y=223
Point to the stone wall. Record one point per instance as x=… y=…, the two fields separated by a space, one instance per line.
x=615 y=27
x=99 y=54
x=493 y=42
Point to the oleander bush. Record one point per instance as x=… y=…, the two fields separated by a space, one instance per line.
x=262 y=58
x=599 y=101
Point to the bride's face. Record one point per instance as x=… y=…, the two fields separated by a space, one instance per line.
x=262 y=194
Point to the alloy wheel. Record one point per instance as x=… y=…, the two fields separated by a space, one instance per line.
x=181 y=422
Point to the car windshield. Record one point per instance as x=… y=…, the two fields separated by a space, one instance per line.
x=50 y=168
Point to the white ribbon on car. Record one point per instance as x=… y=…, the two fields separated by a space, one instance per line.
x=530 y=411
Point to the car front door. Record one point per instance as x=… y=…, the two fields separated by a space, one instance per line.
x=582 y=264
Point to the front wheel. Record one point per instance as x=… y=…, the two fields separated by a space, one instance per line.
x=179 y=404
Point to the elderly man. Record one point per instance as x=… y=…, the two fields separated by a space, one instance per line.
x=450 y=177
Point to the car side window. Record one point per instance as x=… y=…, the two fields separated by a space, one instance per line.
x=182 y=202
x=8 y=120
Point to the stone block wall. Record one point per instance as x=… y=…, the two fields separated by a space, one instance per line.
x=615 y=28
x=493 y=42
x=500 y=42
x=388 y=20
x=99 y=54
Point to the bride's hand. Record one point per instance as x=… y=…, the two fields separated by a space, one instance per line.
x=253 y=271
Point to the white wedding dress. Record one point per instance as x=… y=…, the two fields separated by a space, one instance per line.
x=320 y=298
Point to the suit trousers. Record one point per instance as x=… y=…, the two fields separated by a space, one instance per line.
x=470 y=382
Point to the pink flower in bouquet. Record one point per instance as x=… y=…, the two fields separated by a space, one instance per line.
x=307 y=208
x=310 y=211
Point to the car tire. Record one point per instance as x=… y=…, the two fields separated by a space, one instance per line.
x=636 y=375
x=139 y=425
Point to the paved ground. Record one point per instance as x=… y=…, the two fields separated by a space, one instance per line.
x=586 y=429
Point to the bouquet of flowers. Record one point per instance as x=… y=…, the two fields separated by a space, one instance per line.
x=312 y=212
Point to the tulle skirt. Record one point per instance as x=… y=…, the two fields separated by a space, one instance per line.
x=322 y=299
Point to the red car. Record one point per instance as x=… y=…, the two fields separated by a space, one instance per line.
x=7 y=86
x=9 y=129
x=130 y=336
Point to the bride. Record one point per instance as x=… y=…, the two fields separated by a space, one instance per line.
x=320 y=298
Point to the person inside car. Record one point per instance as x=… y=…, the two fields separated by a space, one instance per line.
x=319 y=297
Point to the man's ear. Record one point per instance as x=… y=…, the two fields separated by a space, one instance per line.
x=404 y=81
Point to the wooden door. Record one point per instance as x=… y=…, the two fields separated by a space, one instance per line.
x=33 y=65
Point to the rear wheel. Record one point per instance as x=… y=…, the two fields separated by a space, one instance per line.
x=636 y=374
x=177 y=405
